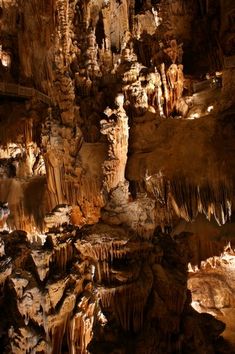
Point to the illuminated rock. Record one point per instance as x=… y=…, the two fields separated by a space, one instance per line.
x=116 y=140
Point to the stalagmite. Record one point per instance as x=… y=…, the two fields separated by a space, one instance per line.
x=117 y=131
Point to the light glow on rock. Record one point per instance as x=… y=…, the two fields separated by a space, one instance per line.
x=194 y=116
x=210 y=109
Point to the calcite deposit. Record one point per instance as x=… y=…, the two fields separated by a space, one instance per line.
x=117 y=176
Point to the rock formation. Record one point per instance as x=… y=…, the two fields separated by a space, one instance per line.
x=117 y=176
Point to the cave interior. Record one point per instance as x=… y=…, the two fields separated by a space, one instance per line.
x=117 y=176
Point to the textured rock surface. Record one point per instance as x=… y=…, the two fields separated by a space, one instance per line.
x=93 y=288
x=117 y=134
x=212 y=288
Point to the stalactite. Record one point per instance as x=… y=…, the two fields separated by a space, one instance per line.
x=55 y=178
x=80 y=329
x=128 y=301
x=62 y=254
x=42 y=262
x=188 y=199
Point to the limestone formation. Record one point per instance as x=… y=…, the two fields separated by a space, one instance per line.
x=117 y=176
x=117 y=131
